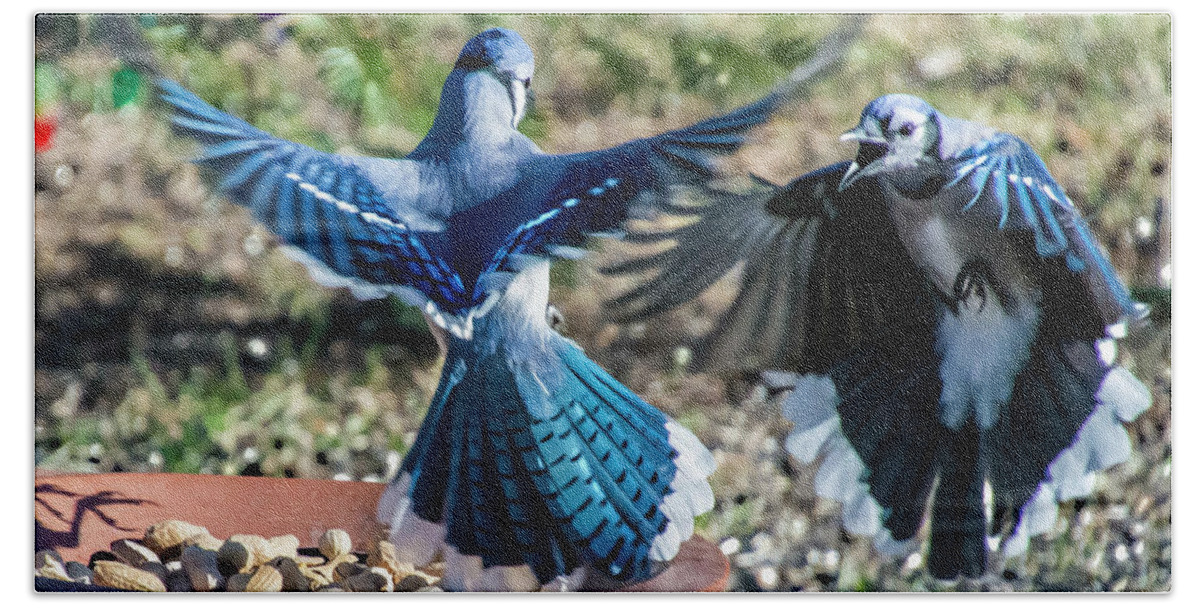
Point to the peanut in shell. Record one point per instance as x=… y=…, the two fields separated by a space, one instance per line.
x=265 y=580
x=119 y=575
x=335 y=543
x=170 y=533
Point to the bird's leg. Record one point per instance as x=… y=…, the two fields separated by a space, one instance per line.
x=555 y=318
x=972 y=284
x=439 y=335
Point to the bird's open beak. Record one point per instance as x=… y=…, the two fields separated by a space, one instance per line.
x=851 y=176
x=870 y=150
x=516 y=92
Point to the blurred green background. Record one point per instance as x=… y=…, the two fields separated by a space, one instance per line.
x=170 y=335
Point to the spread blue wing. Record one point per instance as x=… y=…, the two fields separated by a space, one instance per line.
x=652 y=165
x=320 y=204
x=686 y=156
x=562 y=229
x=1006 y=177
x=570 y=197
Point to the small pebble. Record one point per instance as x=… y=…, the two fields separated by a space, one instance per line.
x=411 y=582
x=293 y=578
x=201 y=568
x=101 y=556
x=347 y=569
x=170 y=533
x=730 y=546
x=46 y=557
x=1121 y=553
x=133 y=553
x=768 y=577
x=235 y=556
x=79 y=573
x=178 y=581
x=236 y=583
x=368 y=581
x=913 y=561
x=155 y=568
x=831 y=558
x=204 y=540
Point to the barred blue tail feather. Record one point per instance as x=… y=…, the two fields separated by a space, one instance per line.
x=528 y=470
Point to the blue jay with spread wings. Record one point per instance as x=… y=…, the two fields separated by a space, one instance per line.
x=945 y=322
x=533 y=467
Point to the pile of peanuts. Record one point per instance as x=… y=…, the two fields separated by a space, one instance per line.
x=179 y=556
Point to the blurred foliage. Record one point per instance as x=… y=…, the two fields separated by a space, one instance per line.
x=172 y=336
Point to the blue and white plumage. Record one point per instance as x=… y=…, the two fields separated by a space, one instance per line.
x=531 y=455
x=533 y=465
x=948 y=321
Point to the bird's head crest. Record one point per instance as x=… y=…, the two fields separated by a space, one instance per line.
x=895 y=132
x=504 y=54
x=501 y=50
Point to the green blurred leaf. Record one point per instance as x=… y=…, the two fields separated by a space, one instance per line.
x=1159 y=300
x=342 y=73
x=407 y=317
x=371 y=57
x=376 y=107
x=173 y=37
x=564 y=274
x=791 y=52
x=127 y=87
x=396 y=442
x=715 y=66
x=627 y=72
x=46 y=87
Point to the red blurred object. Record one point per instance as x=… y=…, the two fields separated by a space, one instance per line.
x=80 y=514
x=44 y=128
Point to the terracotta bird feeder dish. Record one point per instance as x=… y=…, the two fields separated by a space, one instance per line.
x=78 y=515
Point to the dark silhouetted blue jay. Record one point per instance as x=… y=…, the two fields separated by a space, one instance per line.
x=945 y=321
x=533 y=464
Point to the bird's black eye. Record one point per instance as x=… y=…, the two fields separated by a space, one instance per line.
x=907 y=129
x=526 y=81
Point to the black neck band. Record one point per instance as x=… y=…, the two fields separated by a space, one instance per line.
x=469 y=63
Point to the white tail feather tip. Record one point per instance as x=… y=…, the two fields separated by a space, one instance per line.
x=1125 y=393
